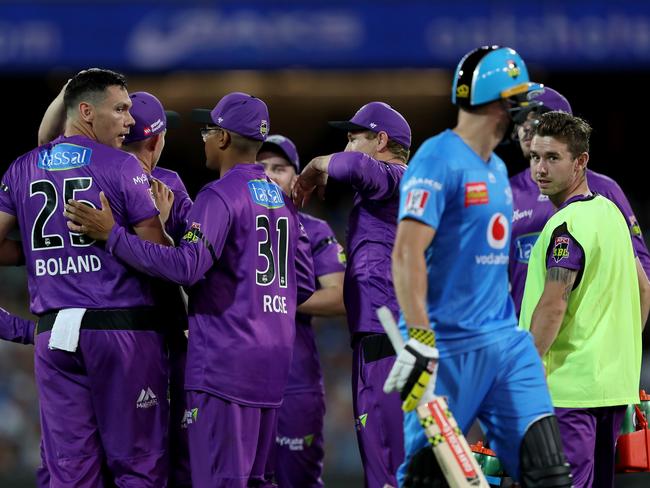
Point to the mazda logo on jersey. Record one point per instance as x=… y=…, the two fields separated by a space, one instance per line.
x=497 y=232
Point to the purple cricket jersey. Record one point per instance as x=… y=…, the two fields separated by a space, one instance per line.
x=532 y=210
x=66 y=269
x=370 y=236
x=305 y=373
x=16 y=329
x=177 y=222
x=239 y=258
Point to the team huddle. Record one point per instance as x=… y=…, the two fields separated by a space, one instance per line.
x=174 y=344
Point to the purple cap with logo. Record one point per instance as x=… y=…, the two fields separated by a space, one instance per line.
x=377 y=117
x=285 y=145
x=238 y=112
x=150 y=117
x=549 y=100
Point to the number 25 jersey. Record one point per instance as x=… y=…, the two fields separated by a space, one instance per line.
x=67 y=269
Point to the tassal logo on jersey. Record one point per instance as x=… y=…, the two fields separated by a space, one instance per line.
x=266 y=194
x=524 y=245
x=416 y=202
x=560 y=248
x=63 y=157
x=476 y=193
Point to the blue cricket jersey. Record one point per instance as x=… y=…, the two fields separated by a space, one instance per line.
x=469 y=203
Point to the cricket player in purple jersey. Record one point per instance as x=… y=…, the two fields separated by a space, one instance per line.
x=239 y=258
x=100 y=358
x=533 y=209
x=372 y=164
x=146 y=140
x=298 y=454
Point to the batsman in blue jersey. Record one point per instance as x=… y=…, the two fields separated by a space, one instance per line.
x=457 y=316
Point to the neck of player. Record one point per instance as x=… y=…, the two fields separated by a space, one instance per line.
x=481 y=131
x=578 y=187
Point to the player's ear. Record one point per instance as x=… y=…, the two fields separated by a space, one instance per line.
x=86 y=111
x=382 y=140
x=224 y=139
x=582 y=160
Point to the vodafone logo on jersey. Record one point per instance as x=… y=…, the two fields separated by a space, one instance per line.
x=497 y=231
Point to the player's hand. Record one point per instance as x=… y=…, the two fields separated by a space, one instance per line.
x=415 y=369
x=311 y=179
x=95 y=223
x=163 y=198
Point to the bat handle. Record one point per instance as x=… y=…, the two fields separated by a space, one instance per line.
x=390 y=326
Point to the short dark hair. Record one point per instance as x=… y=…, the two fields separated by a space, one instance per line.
x=90 y=85
x=244 y=144
x=571 y=130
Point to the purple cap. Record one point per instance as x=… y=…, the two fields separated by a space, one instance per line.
x=149 y=115
x=549 y=100
x=238 y=112
x=285 y=145
x=377 y=117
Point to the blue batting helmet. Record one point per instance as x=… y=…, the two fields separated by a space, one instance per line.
x=490 y=73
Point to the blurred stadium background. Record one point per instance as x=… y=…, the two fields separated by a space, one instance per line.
x=311 y=61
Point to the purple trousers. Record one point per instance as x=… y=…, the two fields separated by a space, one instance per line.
x=229 y=443
x=378 y=416
x=179 y=450
x=589 y=439
x=104 y=409
x=297 y=455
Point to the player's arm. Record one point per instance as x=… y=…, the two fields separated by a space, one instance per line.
x=312 y=178
x=410 y=271
x=16 y=329
x=11 y=252
x=549 y=312
x=184 y=265
x=328 y=299
x=53 y=122
x=414 y=371
x=644 y=292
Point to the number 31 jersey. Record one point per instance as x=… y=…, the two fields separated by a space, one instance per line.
x=242 y=313
x=66 y=269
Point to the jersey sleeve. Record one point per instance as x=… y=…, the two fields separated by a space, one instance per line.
x=179 y=215
x=304 y=267
x=564 y=251
x=372 y=179
x=615 y=193
x=327 y=253
x=186 y=264
x=424 y=189
x=8 y=192
x=136 y=192
x=16 y=329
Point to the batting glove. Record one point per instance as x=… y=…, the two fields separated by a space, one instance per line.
x=414 y=371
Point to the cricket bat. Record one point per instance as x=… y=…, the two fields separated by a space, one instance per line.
x=448 y=442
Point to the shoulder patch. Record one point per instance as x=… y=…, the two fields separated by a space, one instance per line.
x=560 y=248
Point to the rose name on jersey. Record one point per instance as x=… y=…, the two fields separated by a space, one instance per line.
x=67 y=265
x=274 y=304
